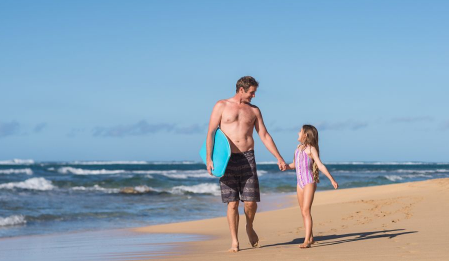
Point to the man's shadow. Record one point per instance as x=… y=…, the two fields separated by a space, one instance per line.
x=329 y=240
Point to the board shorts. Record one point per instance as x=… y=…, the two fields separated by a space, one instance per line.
x=240 y=181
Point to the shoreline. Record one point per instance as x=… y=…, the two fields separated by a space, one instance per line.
x=405 y=220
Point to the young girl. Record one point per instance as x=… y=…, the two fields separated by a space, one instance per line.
x=307 y=163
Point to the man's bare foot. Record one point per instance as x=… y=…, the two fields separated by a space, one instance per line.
x=252 y=236
x=305 y=245
x=312 y=241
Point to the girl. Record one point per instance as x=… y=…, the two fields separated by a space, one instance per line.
x=307 y=163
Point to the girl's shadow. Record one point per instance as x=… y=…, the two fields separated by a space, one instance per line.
x=347 y=238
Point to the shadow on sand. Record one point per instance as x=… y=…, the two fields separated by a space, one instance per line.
x=347 y=238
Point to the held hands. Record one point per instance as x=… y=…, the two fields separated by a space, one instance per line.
x=282 y=165
x=210 y=166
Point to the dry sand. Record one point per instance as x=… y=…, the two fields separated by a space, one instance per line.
x=406 y=221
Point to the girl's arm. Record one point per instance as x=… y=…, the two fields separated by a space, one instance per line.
x=291 y=165
x=323 y=168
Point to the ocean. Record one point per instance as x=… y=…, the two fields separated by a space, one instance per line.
x=38 y=198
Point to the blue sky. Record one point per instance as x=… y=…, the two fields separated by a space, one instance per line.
x=136 y=80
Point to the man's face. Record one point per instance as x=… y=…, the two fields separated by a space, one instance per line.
x=249 y=95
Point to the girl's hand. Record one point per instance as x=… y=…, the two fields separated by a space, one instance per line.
x=334 y=183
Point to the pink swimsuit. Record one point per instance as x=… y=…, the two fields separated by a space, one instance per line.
x=303 y=164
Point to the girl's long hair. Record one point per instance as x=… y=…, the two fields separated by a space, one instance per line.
x=311 y=139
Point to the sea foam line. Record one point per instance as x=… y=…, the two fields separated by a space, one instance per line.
x=27 y=171
x=17 y=162
x=401 y=177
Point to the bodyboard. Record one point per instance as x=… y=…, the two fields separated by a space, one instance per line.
x=220 y=153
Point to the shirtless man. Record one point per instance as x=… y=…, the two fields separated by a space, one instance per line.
x=237 y=118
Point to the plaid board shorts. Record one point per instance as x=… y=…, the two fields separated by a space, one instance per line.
x=240 y=181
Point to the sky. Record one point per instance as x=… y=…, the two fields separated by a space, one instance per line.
x=137 y=80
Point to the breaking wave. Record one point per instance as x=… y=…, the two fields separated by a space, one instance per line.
x=12 y=220
x=203 y=188
x=32 y=184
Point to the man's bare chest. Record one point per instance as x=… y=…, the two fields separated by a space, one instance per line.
x=242 y=115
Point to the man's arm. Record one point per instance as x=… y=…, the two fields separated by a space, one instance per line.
x=267 y=140
x=214 y=121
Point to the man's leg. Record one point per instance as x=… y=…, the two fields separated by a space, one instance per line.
x=233 y=221
x=250 y=213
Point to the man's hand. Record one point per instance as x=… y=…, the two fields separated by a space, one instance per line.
x=210 y=166
x=282 y=165
x=334 y=184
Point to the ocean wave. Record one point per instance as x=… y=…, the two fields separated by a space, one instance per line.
x=425 y=171
x=141 y=189
x=17 y=162
x=97 y=188
x=32 y=184
x=261 y=172
x=27 y=171
x=12 y=220
x=267 y=163
x=107 y=163
x=174 y=162
x=203 y=188
x=383 y=163
x=402 y=177
x=77 y=171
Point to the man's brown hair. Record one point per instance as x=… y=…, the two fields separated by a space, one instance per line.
x=245 y=82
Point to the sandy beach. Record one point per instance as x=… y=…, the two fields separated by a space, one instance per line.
x=405 y=221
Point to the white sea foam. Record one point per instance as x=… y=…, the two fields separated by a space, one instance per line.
x=424 y=171
x=203 y=188
x=393 y=177
x=33 y=184
x=27 y=171
x=185 y=174
x=382 y=163
x=77 y=171
x=97 y=188
x=108 y=163
x=267 y=163
x=143 y=189
x=410 y=176
x=261 y=172
x=174 y=162
x=12 y=220
x=175 y=174
x=17 y=162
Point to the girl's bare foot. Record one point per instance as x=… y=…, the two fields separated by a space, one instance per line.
x=305 y=245
x=234 y=248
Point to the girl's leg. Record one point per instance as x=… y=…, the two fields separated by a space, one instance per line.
x=300 y=194
x=309 y=192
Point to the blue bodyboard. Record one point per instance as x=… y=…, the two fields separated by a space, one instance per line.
x=220 y=154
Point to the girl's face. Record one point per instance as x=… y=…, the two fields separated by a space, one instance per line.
x=301 y=136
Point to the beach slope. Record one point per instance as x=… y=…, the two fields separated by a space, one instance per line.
x=407 y=221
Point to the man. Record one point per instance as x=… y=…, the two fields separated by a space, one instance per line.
x=237 y=118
